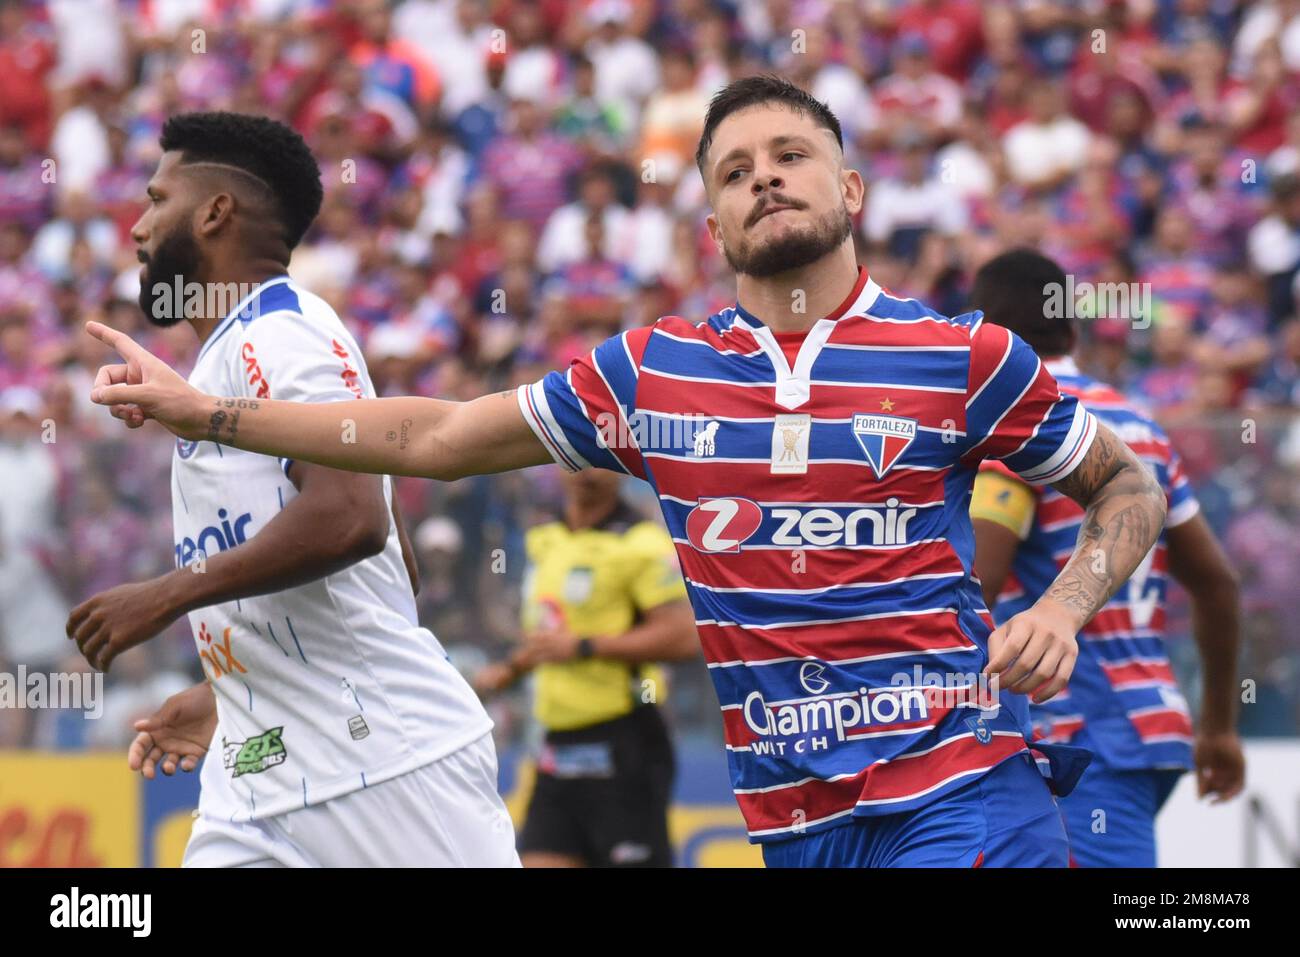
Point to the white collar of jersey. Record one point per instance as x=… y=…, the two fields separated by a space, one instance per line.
x=794 y=386
x=240 y=307
x=1061 y=365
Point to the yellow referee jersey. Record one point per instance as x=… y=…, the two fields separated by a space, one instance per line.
x=601 y=579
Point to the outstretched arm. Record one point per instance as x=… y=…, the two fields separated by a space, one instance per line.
x=431 y=438
x=1124 y=512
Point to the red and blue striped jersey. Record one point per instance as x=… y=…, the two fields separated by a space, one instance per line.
x=819 y=511
x=1122 y=703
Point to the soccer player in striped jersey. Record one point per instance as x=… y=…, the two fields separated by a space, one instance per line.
x=813 y=449
x=1123 y=703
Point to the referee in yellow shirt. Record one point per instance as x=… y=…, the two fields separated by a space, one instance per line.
x=603 y=601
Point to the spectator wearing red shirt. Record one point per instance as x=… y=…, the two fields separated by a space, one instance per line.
x=1100 y=76
x=953 y=28
x=916 y=95
x=27 y=56
x=477 y=252
x=1252 y=112
x=1269 y=96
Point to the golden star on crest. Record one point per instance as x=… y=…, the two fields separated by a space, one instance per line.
x=886 y=404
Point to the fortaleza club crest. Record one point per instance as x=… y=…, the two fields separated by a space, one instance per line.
x=884 y=438
x=255 y=755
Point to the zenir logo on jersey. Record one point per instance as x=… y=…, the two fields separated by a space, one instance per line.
x=884 y=438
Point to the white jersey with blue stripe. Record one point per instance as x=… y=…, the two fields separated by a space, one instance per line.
x=331 y=686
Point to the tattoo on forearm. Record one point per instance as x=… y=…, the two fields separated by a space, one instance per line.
x=406 y=434
x=1125 y=511
x=214 y=426
x=391 y=435
x=224 y=426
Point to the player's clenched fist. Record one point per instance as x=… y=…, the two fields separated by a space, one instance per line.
x=107 y=624
x=1034 y=652
x=176 y=735
x=145 y=387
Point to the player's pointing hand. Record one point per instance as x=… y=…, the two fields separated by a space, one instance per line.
x=145 y=387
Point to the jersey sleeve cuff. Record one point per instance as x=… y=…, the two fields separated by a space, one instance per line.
x=1183 y=512
x=537 y=413
x=1083 y=429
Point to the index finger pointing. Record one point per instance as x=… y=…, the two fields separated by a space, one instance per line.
x=126 y=347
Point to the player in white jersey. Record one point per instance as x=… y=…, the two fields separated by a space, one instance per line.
x=343 y=736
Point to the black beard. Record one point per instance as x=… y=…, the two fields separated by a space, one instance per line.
x=177 y=257
x=796 y=250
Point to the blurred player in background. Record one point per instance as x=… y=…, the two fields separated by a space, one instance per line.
x=603 y=601
x=344 y=735
x=813 y=449
x=1123 y=702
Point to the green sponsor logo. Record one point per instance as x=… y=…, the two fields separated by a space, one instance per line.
x=255 y=755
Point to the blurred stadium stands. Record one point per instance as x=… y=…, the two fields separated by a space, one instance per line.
x=509 y=182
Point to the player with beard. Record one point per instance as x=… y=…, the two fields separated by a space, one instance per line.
x=813 y=449
x=340 y=733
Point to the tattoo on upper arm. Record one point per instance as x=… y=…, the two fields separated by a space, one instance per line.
x=1104 y=458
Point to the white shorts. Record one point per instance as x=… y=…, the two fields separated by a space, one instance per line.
x=445 y=814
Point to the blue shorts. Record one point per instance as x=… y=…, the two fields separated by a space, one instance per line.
x=1110 y=816
x=1005 y=818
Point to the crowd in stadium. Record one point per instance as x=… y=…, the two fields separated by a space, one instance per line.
x=508 y=183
